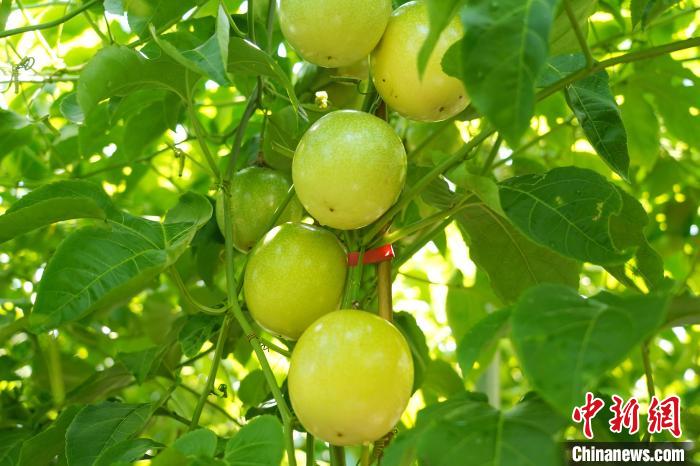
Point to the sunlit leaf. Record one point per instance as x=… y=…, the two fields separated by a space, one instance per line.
x=566 y=342
x=98 y=427
x=258 y=443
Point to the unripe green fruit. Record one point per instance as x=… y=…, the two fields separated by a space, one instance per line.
x=295 y=275
x=434 y=97
x=350 y=377
x=255 y=194
x=333 y=33
x=348 y=169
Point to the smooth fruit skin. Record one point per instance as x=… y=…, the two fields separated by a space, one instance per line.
x=348 y=169
x=255 y=194
x=350 y=377
x=295 y=274
x=333 y=33
x=436 y=96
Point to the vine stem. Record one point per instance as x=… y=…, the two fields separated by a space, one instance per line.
x=424 y=223
x=232 y=284
x=649 y=376
x=50 y=24
x=618 y=60
x=580 y=37
x=209 y=386
x=310 y=450
x=337 y=456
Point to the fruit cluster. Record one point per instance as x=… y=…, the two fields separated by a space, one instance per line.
x=351 y=372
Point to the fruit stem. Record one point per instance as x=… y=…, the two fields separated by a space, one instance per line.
x=337 y=456
x=384 y=290
x=365 y=458
x=310 y=450
x=352 y=286
x=220 y=341
x=580 y=36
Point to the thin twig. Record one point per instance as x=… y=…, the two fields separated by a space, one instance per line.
x=50 y=24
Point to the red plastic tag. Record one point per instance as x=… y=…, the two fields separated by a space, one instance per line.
x=372 y=256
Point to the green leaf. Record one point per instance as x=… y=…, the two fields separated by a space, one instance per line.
x=563 y=38
x=119 y=71
x=198 y=442
x=513 y=262
x=258 y=443
x=126 y=452
x=467 y=430
x=440 y=15
x=209 y=58
x=11 y=441
x=98 y=267
x=46 y=445
x=15 y=131
x=569 y=210
x=441 y=381
x=627 y=230
x=63 y=200
x=247 y=59
x=596 y=110
x=415 y=338
x=197 y=330
x=142 y=363
x=561 y=66
x=141 y=13
x=101 y=385
x=642 y=127
x=253 y=389
x=566 y=342
x=98 y=427
x=481 y=339
x=503 y=52
x=5 y=10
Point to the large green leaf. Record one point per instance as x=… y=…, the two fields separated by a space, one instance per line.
x=513 y=262
x=415 y=338
x=642 y=126
x=566 y=342
x=596 y=110
x=209 y=58
x=198 y=442
x=98 y=427
x=46 y=445
x=159 y=13
x=467 y=430
x=569 y=210
x=52 y=203
x=503 y=52
x=258 y=443
x=98 y=267
x=11 y=441
x=563 y=38
x=481 y=339
x=119 y=71
x=126 y=452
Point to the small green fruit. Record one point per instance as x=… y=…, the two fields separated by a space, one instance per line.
x=348 y=169
x=350 y=377
x=333 y=33
x=295 y=275
x=434 y=97
x=255 y=194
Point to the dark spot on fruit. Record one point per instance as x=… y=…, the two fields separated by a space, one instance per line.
x=441 y=109
x=330 y=57
x=383 y=80
x=340 y=434
x=331 y=209
x=461 y=97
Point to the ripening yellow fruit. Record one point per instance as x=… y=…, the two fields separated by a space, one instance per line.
x=434 y=97
x=349 y=168
x=333 y=33
x=295 y=274
x=350 y=377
